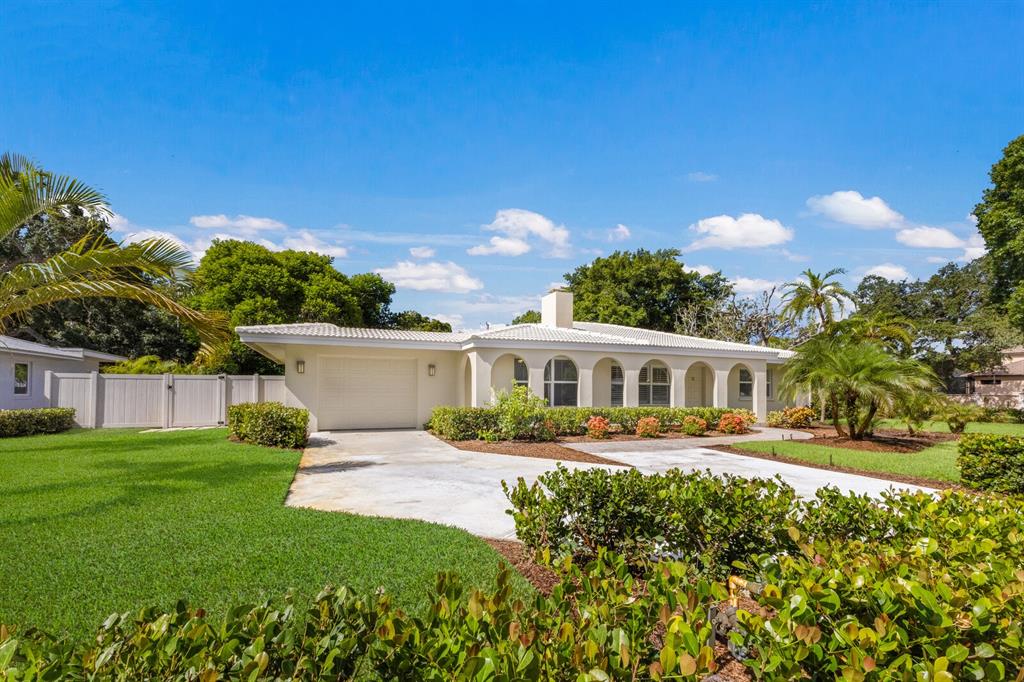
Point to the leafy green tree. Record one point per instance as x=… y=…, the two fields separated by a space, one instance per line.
x=410 y=319
x=641 y=289
x=92 y=267
x=819 y=297
x=150 y=364
x=856 y=379
x=529 y=317
x=1000 y=217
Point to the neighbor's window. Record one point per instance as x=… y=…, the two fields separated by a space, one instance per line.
x=618 y=385
x=21 y=376
x=655 y=384
x=560 y=382
x=991 y=382
x=746 y=384
x=520 y=373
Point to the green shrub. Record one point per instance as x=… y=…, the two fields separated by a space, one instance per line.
x=36 y=420
x=957 y=415
x=992 y=462
x=522 y=415
x=702 y=519
x=151 y=364
x=462 y=423
x=694 y=426
x=599 y=623
x=270 y=424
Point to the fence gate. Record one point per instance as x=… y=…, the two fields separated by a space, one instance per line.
x=157 y=400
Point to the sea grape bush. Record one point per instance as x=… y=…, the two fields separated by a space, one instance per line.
x=270 y=424
x=36 y=420
x=992 y=462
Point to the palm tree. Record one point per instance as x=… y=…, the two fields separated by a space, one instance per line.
x=892 y=331
x=93 y=267
x=856 y=378
x=818 y=295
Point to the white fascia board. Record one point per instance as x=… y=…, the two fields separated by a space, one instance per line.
x=767 y=354
x=252 y=338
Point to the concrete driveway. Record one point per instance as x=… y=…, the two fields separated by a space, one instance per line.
x=411 y=475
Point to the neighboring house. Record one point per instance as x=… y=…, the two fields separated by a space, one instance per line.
x=23 y=366
x=1001 y=386
x=355 y=378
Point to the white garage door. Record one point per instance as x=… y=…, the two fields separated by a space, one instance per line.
x=367 y=393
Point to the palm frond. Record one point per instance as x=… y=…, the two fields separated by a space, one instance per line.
x=26 y=191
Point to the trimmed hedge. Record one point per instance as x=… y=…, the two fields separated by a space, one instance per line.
x=466 y=423
x=992 y=462
x=270 y=424
x=36 y=420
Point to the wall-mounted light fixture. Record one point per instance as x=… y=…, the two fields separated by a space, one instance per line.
x=431 y=369
x=300 y=366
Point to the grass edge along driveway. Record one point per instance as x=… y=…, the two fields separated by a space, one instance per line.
x=94 y=522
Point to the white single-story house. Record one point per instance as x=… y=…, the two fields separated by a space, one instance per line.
x=23 y=367
x=356 y=378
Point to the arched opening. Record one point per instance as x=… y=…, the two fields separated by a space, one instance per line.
x=741 y=387
x=561 y=382
x=609 y=384
x=467 y=383
x=655 y=384
x=509 y=371
x=700 y=386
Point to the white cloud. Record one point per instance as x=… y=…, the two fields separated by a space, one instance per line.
x=937 y=259
x=973 y=248
x=430 y=276
x=519 y=225
x=794 y=257
x=890 y=271
x=422 y=252
x=748 y=231
x=852 y=208
x=619 y=233
x=925 y=237
x=118 y=223
x=752 y=285
x=455 y=320
x=972 y=219
x=304 y=240
x=243 y=223
x=501 y=246
x=701 y=176
x=702 y=270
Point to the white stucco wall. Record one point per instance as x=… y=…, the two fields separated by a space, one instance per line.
x=37 y=376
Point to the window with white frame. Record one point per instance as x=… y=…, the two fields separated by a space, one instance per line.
x=520 y=373
x=618 y=385
x=746 y=384
x=655 y=384
x=22 y=376
x=769 y=381
x=561 y=382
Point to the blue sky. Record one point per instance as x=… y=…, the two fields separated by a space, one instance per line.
x=473 y=154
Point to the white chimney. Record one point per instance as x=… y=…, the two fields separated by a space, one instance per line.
x=556 y=309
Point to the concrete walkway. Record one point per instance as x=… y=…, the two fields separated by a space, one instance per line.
x=413 y=475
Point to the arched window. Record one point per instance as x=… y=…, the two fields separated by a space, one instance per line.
x=655 y=384
x=520 y=373
x=560 y=382
x=618 y=385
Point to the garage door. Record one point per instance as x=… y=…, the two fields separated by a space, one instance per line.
x=367 y=393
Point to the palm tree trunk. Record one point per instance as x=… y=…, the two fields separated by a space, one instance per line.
x=834 y=401
x=869 y=419
x=851 y=417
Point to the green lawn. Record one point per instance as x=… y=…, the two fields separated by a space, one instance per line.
x=937 y=463
x=972 y=427
x=93 y=522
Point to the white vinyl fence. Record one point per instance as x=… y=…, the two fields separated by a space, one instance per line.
x=157 y=400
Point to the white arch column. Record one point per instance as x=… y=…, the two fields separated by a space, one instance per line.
x=480 y=384
x=720 y=391
x=584 y=385
x=760 y=401
x=678 y=398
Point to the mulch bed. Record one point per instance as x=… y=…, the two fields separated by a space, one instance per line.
x=667 y=435
x=516 y=553
x=530 y=449
x=898 y=478
x=883 y=440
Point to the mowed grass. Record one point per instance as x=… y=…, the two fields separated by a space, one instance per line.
x=972 y=427
x=937 y=463
x=93 y=522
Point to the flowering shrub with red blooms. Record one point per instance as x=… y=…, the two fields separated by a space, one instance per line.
x=694 y=426
x=598 y=427
x=648 y=427
x=733 y=423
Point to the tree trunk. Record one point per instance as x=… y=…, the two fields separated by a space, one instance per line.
x=834 y=402
x=851 y=417
x=869 y=419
